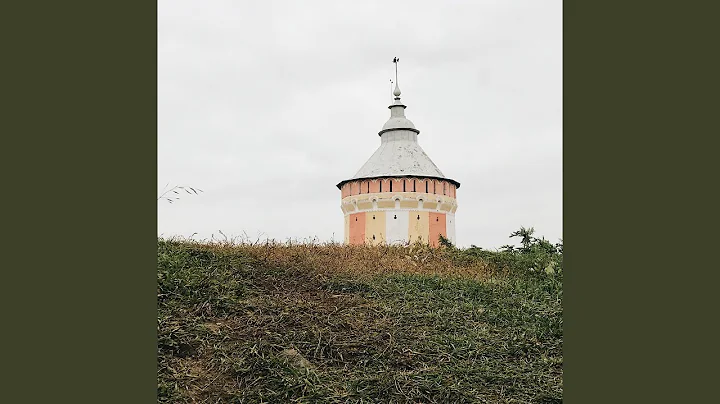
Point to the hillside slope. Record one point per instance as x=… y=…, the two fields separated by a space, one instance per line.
x=336 y=324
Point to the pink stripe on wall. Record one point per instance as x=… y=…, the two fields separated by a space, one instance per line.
x=357 y=228
x=438 y=226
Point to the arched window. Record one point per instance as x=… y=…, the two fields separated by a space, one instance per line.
x=391 y=181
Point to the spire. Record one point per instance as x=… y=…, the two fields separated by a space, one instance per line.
x=397 y=120
x=399 y=153
x=396 y=60
x=396 y=93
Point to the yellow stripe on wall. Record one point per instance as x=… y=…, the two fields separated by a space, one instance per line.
x=418 y=228
x=375 y=227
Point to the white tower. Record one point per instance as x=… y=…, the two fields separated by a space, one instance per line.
x=399 y=195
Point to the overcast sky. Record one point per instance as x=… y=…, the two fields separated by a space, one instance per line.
x=267 y=105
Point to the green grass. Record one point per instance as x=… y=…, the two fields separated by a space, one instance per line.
x=226 y=321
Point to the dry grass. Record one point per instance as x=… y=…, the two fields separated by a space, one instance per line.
x=338 y=259
x=325 y=323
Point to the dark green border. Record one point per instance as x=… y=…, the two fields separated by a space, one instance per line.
x=79 y=156
x=636 y=118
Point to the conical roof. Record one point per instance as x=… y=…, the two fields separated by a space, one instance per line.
x=399 y=154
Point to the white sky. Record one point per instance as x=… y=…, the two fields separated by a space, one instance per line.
x=266 y=105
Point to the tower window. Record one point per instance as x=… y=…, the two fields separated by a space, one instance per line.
x=443 y=188
x=414 y=182
x=426 y=188
x=418 y=217
x=356 y=219
x=437 y=219
x=403 y=185
x=391 y=181
x=380 y=185
x=373 y=237
x=373 y=217
x=395 y=217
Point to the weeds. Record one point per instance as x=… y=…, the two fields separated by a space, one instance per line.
x=287 y=322
x=171 y=195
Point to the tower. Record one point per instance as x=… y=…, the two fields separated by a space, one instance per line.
x=399 y=195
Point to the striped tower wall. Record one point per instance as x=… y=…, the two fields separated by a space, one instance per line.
x=398 y=211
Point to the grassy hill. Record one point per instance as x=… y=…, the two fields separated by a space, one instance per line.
x=281 y=323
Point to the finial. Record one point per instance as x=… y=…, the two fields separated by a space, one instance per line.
x=397 y=88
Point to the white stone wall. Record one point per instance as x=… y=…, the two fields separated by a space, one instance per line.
x=396 y=229
x=450 y=227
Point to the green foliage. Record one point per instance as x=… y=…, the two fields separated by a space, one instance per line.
x=198 y=279
x=227 y=321
x=536 y=255
x=444 y=242
x=526 y=236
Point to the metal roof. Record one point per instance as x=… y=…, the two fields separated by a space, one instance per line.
x=399 y=154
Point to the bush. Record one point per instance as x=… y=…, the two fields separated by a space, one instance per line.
x=536 y=255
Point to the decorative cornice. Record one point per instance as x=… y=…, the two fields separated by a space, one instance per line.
x=449 y=212
x=408 y=176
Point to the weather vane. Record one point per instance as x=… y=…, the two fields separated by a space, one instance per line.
x=396 y=60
